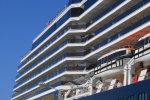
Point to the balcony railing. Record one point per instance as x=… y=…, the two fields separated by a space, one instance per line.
x=124 y=31
x=126 y=13
x=65 y=7
x=68 y=28
x=51 y=41
x=72 y=28
x=114 y=37
x=121 y=33
x=108 y=66
x=107 y=10
x=140 y=52
x=49 y=54
x=75 y=13
x=50 y=76
x=48 y=66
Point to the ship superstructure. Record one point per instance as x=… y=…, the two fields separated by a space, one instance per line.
x=90 y=47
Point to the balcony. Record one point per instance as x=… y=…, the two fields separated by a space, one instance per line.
x=114 y=37
x=51 y=41
x=49 y=54
x=108 y=66
x=87 y=4
x=143 y=50
x=72 y=13
x=50 y=76
x=137 y=24
x=119 y=34
x=123 y=32
x=48 y=66
x=77 y=27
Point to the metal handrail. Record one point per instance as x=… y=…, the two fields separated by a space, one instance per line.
x=139 y=52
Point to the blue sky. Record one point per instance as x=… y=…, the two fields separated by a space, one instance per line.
x=20 y=22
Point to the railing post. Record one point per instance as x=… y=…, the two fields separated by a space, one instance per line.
x=77 y=93
x=125 y=75
x=130 y=72
x=91 y=86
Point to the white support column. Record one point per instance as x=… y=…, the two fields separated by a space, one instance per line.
x=77 y=93
x=125 y=75
x=91 y=86
x=130 y=72
x=129 y=81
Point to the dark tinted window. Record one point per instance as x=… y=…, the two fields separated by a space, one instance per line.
x=140 y=43
x=146 y=41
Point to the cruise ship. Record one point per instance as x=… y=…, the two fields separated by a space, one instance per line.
x=92 y=50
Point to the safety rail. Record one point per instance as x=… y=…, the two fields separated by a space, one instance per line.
x=123 y=32
x=49 y=54
x=62 y=57
x=122 y=16
x=51 y=41
x=50 y=76
x=147 y=76
x=52 y=20
x=79 y=27
x=40 y=90
x=108 y=66
x=67 y=16
x=64 y=8
x=142 y=51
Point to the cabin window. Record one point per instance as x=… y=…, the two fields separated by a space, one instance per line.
x=117 y=55
x=141 y=43
x=102 y=60
x=146 y=41
x=109 y=58
x=98 y=62
x=105 y=60
x=123 y=52
x=113 y=56
x=149 y=40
